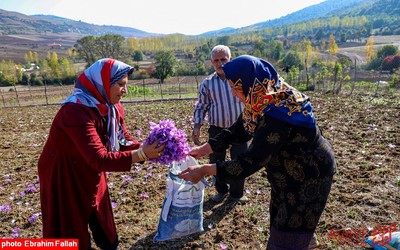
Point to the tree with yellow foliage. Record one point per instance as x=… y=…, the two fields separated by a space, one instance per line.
x=369 y=49
x=332 y=46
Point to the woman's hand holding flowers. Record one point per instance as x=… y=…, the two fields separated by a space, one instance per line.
x=152 y=150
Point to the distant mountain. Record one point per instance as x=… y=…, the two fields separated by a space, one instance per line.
x=381 y=8
x=317 y=11
x=14 y=23
x=321 y=10
x=223 y=31
x=96 y=30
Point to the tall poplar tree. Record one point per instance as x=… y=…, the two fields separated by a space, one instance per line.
x=369 y=49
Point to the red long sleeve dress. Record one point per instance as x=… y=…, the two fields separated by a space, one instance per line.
x=73 y=183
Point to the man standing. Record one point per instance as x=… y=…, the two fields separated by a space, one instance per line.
x=216 y=100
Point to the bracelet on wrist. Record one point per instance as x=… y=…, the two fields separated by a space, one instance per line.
x=142 y=156
x=138 y=152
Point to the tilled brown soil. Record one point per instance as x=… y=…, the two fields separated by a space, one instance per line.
x=364 y=131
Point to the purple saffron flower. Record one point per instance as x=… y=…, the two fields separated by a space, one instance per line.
x=5 y=208
x=128 y=179
x=139 y=134
x=33 y=218
x=137 y=169
x=30 y=189
x=175 y=141
x=144 y=196
x=113 y=204
x=16 y=232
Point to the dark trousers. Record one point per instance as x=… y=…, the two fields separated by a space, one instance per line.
x=99 y=236
x=235 y=189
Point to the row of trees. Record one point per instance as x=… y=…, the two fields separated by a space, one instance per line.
x=63 y=70
x=290 y=57
x=38 y=71
x=289 y=46
x=287 y=54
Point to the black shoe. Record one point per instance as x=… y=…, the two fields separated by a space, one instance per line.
x=218 y=197
x=241 y=200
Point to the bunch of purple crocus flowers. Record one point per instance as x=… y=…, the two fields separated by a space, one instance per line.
x=175 y=140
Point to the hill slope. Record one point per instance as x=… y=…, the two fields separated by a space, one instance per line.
x=312 y=12
x=321 y=10
x=14 y=23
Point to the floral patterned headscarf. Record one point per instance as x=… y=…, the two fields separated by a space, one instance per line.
x=92 y=89
x=267 y=93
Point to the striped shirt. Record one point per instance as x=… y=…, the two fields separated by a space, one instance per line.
x=217 y=102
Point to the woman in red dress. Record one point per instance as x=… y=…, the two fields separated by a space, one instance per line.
x=87 y=138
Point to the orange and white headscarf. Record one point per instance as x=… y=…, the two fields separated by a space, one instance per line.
x=267 y=94
x=92 y=89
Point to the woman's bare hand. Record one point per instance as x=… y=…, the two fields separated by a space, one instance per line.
x=200 y=151
x=195 y=173
x=152 y=151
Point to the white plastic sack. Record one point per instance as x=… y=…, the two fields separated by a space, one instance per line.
x=388 y=241
x=182 y=210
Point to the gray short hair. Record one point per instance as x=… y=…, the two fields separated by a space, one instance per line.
x=219 y=48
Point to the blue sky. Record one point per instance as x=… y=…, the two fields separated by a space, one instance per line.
x=163 y=16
